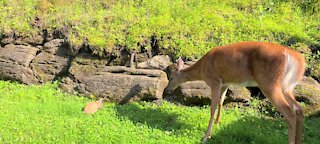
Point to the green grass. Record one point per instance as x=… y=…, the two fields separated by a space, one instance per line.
x=182 y=28
x=43 y=114
x=185 y=28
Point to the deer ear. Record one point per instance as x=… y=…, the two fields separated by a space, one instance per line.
x=176 y=67
x=180 y=64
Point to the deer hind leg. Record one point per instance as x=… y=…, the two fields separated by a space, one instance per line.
x=299 y=115
x=215 y=96
x=222 y=97
x=277 y=98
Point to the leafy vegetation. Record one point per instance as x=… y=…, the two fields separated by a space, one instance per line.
x=182 y=28
x=185 y=28
x=43 y=114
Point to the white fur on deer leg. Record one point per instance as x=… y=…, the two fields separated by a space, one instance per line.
x=295 y=108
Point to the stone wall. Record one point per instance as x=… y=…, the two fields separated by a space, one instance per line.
x=89 y=74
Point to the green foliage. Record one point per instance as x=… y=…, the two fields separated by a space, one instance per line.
x=43 y=114
x=312 y=60
x=16 y=15
x=185 y=28
x=314 y=64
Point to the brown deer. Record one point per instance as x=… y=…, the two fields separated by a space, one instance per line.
x=275 y=69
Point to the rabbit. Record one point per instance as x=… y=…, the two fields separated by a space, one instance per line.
x=92 y=107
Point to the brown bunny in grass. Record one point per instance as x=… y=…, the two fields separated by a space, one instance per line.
x=92 y=107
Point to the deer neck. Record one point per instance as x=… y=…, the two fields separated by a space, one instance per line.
x=192 y=73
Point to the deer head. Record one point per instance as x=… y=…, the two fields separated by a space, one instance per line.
x=176 y=77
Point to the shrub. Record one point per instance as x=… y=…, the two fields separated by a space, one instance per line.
x=184 y=28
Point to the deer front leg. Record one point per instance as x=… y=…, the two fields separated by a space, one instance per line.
x=222 y=97
x=215 y=96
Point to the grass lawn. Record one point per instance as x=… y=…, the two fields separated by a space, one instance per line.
x=43 y=114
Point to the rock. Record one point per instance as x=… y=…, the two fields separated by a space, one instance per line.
x=54 y=43
x=238 y=94
x=199 y=93
x=141 y=57
x=67 y=85
x=53 y=61
x=157 y=62
x=308 y=91
x=20 y=54
x=58 y=47
x=15 y=61
x=85 y=64
x=47 y=67
x=117 y=83
x=8 y=38
x=194 y=93
x=35 y=40
x=145 y=51
x=120 y=56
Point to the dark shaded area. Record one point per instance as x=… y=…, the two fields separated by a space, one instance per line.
x=177 y=98
x=263 y=131
x=155 y=45
x=136 y=89
x=152 y=117
x=64 y=51
x=303 y=99
x=251 y=130
x=256 y=93
x=61 y=33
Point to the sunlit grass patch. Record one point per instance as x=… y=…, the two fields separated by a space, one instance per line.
x=43 y=114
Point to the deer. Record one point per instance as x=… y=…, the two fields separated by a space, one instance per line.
x=274 y=68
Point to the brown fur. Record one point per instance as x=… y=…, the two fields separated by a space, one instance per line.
x=92 y=107
x=261 y=64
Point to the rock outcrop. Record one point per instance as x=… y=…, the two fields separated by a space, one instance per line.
x=119 y=84
x=308 y=91
x=52 y=61
x=160 y=62
x=199 y=93
x=45 y=60
x=15 y=61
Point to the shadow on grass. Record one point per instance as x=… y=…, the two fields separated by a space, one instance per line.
x=152 y=117
x=256 y=130
x=249 y=130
